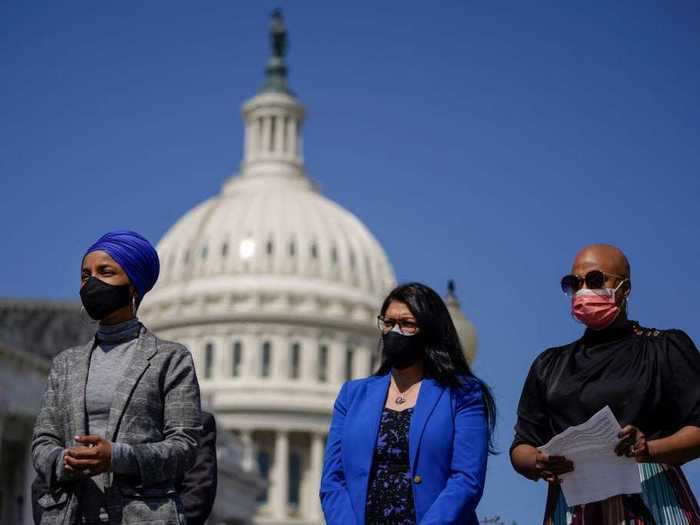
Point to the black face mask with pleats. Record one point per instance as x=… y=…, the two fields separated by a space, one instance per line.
x=402 y=351
x=101 y=299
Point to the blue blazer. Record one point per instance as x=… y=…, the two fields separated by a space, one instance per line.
x=448 y=448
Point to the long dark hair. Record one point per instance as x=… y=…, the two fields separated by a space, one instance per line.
x=443 y=359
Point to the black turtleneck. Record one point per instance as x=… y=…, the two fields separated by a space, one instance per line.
x=650 y=379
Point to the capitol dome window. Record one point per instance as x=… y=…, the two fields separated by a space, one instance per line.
x=334 y=255
x=264 y=465
x=236 y=359
x=204 y=251
x=294 y=361
x=266 y=359
x=260 y=130
x=186 y=257
x=273 y=132
x=295 y=468
x=370 y=274
x=349 y=355
x=285 y=134
x=292 y=248
x=224 y=249
x=323 y=363
x=208 y=360
x=314 y=266
x=269 y=248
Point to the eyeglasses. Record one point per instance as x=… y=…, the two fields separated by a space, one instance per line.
x=405 y=327
x=595 y=279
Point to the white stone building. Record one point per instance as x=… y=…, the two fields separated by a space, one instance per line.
x=275 y=289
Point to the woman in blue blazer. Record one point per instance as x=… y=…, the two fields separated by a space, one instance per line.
x=409 y=444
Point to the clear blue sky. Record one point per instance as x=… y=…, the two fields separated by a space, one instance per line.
x=484 y=142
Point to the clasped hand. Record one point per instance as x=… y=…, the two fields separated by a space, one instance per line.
x=92 y=456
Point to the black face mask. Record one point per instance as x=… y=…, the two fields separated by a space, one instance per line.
x=402 y=351
x=101 y=299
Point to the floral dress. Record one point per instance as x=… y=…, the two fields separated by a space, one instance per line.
x=390 y=493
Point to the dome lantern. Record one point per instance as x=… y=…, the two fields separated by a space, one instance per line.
x=465 y=329
x=273 y=119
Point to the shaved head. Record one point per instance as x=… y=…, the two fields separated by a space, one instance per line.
x=604 y=257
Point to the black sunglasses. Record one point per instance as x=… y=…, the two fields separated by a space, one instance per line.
x=570 y=284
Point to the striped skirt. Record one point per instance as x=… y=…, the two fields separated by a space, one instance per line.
x=666 y=499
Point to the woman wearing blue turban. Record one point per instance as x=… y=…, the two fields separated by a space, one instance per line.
x=120 y=419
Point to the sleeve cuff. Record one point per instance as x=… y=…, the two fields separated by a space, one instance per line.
x=123 y=459
x=59 y=472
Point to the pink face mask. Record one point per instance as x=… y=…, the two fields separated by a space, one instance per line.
x=597 y=309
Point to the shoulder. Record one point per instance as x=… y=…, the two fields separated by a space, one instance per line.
x=470 y=391
x=171 y=347
x=550 y=356
x=170 y=350
x=70 y=355
x=665 y=335
x=352 y=387
x=357 y=388
x=670 y=340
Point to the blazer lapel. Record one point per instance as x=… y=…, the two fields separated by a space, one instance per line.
x=79 y=373
x=368 y=418
x=374 y=406
x=145 y=349
x=376 y=397
x=428 y=396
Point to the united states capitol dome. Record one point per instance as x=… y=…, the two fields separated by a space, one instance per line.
x=280 y=227
x=269 y=241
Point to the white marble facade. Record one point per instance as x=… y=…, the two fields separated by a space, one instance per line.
x=22 y=377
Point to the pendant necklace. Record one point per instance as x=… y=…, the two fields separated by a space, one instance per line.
x=401 y=398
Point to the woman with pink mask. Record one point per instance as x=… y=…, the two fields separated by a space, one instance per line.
x=650 y=379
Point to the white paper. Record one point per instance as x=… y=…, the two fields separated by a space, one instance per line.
x=599 y=473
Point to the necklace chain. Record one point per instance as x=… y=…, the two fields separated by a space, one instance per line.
x=400 y=399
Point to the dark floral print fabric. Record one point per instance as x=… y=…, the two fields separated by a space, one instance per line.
x=390 y=495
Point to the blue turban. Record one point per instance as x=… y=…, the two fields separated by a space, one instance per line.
x=137 y=257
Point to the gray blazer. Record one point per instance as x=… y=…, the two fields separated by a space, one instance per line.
x=156 y=409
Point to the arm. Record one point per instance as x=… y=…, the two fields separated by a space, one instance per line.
x=198 y=489
x=523 y=458
x=469 y=454
x=681 y=383
x=677 y=449
x=172 y=457
x=47 y=440
x=335 y=499
x=532 y=429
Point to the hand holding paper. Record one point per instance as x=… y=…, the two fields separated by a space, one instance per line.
x=599 y=472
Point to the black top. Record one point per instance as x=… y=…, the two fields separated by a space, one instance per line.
x=650 y=379
x=390 y=493
x=197 y=488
